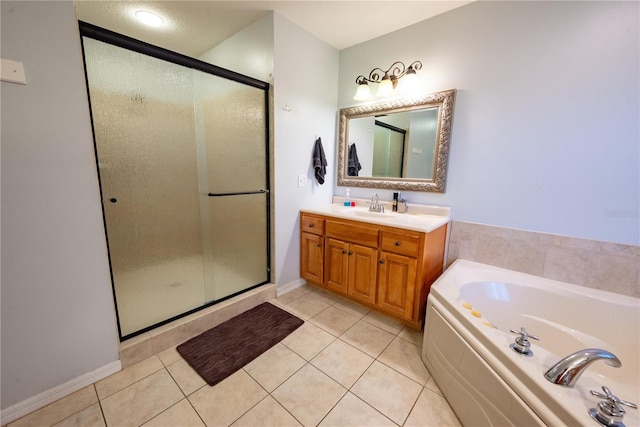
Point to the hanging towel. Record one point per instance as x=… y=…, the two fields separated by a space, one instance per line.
x=353 y=164
x=319 y=161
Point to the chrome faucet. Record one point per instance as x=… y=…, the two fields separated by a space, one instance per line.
x=567 y=371
x=376 y=206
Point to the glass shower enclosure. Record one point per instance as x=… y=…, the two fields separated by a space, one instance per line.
x=182 y=153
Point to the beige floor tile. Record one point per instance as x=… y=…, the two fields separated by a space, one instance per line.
x=352 y=411
x=289 y=297
x=90 y=417
x=60 y=409
x=274 y=366
x=128 y=376
x=228 y=400
x=307 y=307
x=186 y=377
x=142 y=400
x=431 y=385
x=267 y=413
x=309 y=395
x=342 y=362
x=334 y=321
x=326 y=296
x=384 y=322
x=431 y=410
x=169 y=356
x=181 y=414
x=405 y=358
x=368 y=338
x=350 y=307
x=388 y=391
x=308 y=340
x=412 y=335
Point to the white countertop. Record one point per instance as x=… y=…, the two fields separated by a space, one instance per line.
x=410 y=221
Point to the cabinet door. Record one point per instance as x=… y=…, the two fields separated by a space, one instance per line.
x=396 y=284
x=311 y=252
x=363 y=267
x=336 y=266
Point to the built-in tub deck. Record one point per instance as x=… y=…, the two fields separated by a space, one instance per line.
x=471 y=309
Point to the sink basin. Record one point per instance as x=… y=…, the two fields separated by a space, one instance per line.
x=370 y=214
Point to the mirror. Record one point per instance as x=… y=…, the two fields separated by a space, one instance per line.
x=398 y=144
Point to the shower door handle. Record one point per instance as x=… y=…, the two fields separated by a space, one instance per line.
x=237 y=194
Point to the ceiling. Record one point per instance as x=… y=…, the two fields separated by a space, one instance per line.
x=194 y=27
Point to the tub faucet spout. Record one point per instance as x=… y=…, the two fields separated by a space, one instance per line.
x=567 y=371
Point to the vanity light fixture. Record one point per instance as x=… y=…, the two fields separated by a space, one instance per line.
x=388 y=80
x=149 y=18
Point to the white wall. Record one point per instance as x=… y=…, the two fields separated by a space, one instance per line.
x=305 y=78
x=545 y=128
x=58 y=319
x=249 y=52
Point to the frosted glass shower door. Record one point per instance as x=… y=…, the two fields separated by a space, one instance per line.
x=232 y=148
x=182 y=151
x=144 y=125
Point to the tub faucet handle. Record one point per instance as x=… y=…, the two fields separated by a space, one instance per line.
x=609 y=412
x=522 y=344
x=524 y=334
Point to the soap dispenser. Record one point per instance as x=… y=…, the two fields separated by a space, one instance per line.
x=347 y=198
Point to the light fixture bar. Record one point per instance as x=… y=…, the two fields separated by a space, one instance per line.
x=388 y=79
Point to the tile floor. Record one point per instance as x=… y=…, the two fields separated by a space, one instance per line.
x=346 y=366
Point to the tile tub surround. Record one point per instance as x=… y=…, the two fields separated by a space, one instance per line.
x=370 y=374
x=594 y=264
x=170 y=335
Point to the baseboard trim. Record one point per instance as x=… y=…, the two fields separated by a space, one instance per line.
x=288 y=287
x=41 y=400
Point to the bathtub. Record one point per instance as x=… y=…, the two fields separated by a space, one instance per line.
x=470 y=310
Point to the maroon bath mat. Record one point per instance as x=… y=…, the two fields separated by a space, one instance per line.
x=221 y=351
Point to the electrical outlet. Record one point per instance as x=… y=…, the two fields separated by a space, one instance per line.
x=302 y=180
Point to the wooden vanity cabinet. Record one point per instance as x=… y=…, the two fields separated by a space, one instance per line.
x=350 y=269
x=385 y=268
x=312 y=249
x=350 y=257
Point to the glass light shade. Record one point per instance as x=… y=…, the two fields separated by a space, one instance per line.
x=409 y=81
x=363 y=92
x=385 y=88
x=149 y=18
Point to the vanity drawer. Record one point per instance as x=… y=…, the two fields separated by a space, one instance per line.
x=312 y=224
x=352 y=232
x=400 y=243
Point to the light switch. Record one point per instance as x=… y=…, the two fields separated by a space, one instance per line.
x=302 y=180
x=12 y=71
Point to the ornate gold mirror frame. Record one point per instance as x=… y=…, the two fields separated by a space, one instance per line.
x=444 y=101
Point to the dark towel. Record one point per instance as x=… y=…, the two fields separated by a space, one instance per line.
x=353 y=164
x=319 y=161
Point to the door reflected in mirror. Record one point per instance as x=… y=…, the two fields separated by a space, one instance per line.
x=400 y=144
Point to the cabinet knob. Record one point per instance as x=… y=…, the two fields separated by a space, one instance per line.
x=310 y=225
x=319 y=244
x=381 y=261
x=397 y=243
x=350 y=253
x=344 y=251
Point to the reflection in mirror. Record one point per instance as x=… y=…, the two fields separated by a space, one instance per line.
x=400 y=144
